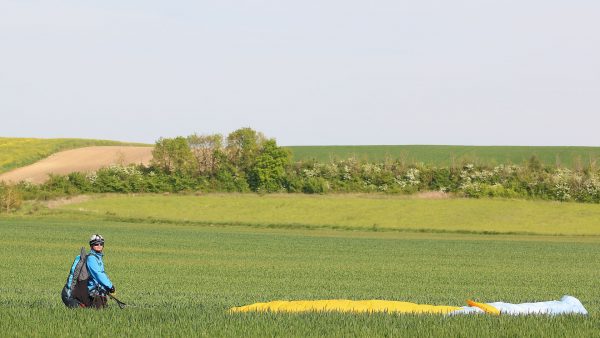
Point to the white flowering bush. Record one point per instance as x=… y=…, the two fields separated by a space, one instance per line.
x=470 y=174
x=587 y=187
x=412 y=176
x=346 y=175
x=471 y=189
x=562 y=189
x=592 y=187
x=309 y=173
x=330 y=170
x=92 y=177
x=368 y=169
x=116 y=178
x=399 y=180
x=409 y=179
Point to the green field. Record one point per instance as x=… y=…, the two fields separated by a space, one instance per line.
x=370 y=212
x=19 y=152
x=444 y=155
x=182 y=278
x=183 y=273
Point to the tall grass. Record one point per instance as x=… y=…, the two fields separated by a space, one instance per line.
x=448 y=156
x=374 y=212
x=18 y=152
x=182 y=279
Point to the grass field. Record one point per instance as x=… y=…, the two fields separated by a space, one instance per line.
x=442 y=155
x=182 y=278
x=19 y=152
x=369 y=212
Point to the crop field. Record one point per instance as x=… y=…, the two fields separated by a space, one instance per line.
x=182 y=277
x=367 y=212
x=443 y=155
x=19 y=152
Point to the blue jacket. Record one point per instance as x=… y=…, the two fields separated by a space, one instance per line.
x=98 y=276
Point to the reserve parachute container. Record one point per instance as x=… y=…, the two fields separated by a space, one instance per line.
x=75 y=292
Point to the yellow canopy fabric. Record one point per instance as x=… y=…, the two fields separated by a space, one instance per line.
x=487 y=308
x=343 y=305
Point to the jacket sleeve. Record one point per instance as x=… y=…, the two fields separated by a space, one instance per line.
x=97 y=272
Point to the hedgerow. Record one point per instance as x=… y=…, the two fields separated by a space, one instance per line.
x=507 y=181
x=247 y=161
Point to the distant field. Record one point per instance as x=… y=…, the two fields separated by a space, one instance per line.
x=19 y=152
x=375 y=212
x=449 y=155
x=86 y=159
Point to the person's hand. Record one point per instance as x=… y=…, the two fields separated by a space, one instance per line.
x=112 y=290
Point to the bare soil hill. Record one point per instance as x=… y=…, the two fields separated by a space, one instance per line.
x=82 y=159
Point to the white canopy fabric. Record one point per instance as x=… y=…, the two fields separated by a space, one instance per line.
x=566 y=305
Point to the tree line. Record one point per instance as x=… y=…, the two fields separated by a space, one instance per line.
x=247 y=161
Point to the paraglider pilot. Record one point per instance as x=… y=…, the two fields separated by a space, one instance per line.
x=88 y=284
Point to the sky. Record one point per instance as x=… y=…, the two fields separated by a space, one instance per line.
x=325 y=72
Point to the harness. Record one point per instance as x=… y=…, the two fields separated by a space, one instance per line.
x=81 y=272
x=78 y=294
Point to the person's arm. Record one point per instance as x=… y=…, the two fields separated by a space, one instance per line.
x=98 y=272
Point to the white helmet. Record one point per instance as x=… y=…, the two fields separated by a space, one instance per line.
x=96 y=239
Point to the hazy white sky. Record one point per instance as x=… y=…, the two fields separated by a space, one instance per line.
x=506 y=72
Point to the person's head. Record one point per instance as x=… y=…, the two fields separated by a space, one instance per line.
x=97 y=242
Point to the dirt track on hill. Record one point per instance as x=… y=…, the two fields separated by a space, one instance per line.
x=82 y=159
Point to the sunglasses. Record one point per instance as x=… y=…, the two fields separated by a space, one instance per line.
x=96 y=244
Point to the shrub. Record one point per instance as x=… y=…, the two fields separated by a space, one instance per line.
x=315 y=185
x=268 y=172
x=60 y=185
x=229 y=179
x=10 y=198
x=496 y=190
x=440 y=179
x=79 y=182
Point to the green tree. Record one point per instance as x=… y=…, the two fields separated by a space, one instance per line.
x=206 y=150
x=174 y=156
x=243 y=146
x=268 y=172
